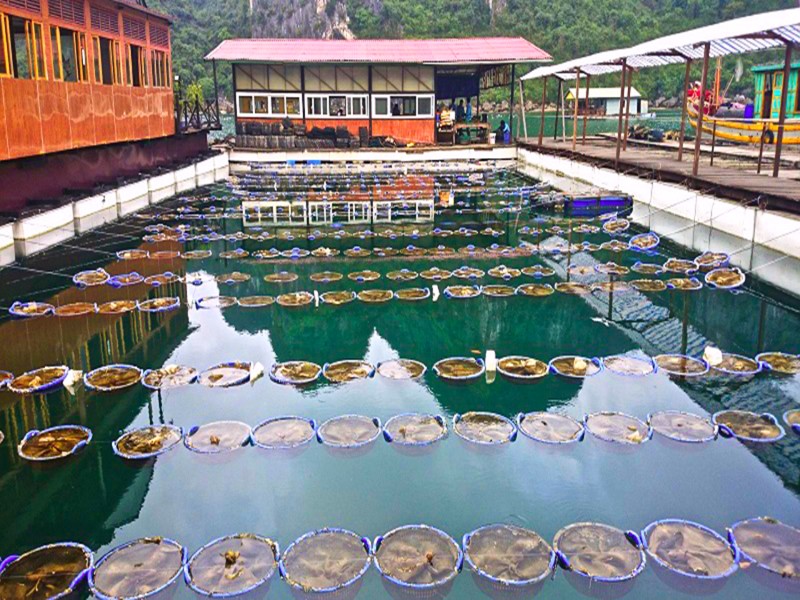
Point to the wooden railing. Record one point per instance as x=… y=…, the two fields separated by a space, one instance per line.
x=197 y=115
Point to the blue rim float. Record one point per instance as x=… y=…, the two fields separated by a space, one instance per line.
x=76 y=582
x=505 y=581
x=312 y=427
x=21 y=309
x=153 y=306
x=595 y=361
x=418 y=586
x=115 y=445
x=729 y=432
x=632 y=538
x=748 y=554
x=458 y=418
x=75 y=449
x=112 y=388
x=44 y=387
x=275 y=376
x=672 y=435
x=387 y=435
x=580 y=430
x=478 y=361
x=349 y=445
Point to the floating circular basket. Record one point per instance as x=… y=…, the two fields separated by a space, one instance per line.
x=748 y=426
x=769 y=546
x=615 y=226
x=737 y=365
x=680 y=265
x=611 y=268
x=76 y=309
x=27 y=310
x=232 y=566
x=347 y=370
x=498 y=291
x=239 y=253
x=161 y=279
x=357 y=252
x=283 y=433
x=459 y=368
x=402 y=275
x=295 y=253
x=684 y=284
x=325 y=561
x=550 y=428
x=138 y=569
x=363 y=276
x=509 y=556
x=534 y=290
x=644 y=241
x=537 y=271
x=91 y=278
x=47 y=573
x=780 y=362
x=648 y=285
x=401 y=368
x=116 y=307
x=325 y=277
x=227 y=374
x=415 y=429
x=255 y=301
x=417 y=557
x=293 y=299
x=232 y=278
x=324 y=252
x=125 y=279
x=112 y=378
x=375 y=296
x=5 y=378
x=522 y=368
x=156 y=305
x=504 y=272
x=576 y=367
x=725 y=278
x=412 y=250
x=623 y=364
x=39 y=381
x=219 y=437
x=54 y=443
x=682 y=426
x=196 y=254
x=164 y=254
x=134 y=254
x=614 y=246
x=413 y=294
x=484 y=428
x=337 y=298
x=647 y=268
x=600 y=553
x=681 y=365
x=462 y=291
x=573 y=287
x=266 y=254
x=147 y=442
x=436 y=274
x=468 y=273
x=617 y=427
x=295 y=372
x=611 y=287
x=711 y=260
x=280 y=277
x=215 y=302
x=170 y=376
x=349 y=431
x=384 y=252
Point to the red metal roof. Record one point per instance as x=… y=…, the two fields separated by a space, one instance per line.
x=440 y=51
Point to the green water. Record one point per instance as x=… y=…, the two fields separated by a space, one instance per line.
x=102 y=501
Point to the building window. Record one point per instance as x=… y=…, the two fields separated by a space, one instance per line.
x=69 y=54
x=5 y=47
x=160 y=69
x=137 y=66
x=410 y=106
x=269 y=105
x=23 y=49
x=107 y=61
x=336 y=105
x=317 y=106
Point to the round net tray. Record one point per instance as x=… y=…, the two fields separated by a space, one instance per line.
x=679 y=265
x=736 y=364
x=689 y=549
x=337 y=298
x=611 y=287
x=748 y=426
x=484 y=428
x=413 y=294
x=581 y=270
x=614 y=246
x=684 y=284
x=617 y=427
x=134 y=254
x=40 y=380
x=266 y=254
x=770 y=545
x=647 y=268
x=357 y=252
x=384 y=252
x=295 y=372
x=572 y=287
x=598 y=551
x=232 y=565
x=538 y=271
x=52 y=571
x=614 y=226
x=414 y=429
x=644 y=241
x=468 y=273
x=347 y=370
x=295 y=299
x=76 y=309
x=402 y=275
x=648 y=285
x=215 y=302
x=325 y=277
x=682 y=365
x=417 y=556
x=792 y=419
x=31 y=309
x=116 y=307
x=234 y=254
x=497 y=291
x=550 y=428
x=54 y=443
x=232 y=278
x=611 y=268
x=218 y=437
x=161 y=279
x=504 y=272
x=711 y=260
x=280 y=277
x=325 y=560
x=5 y=378
x=725 y=278
x=138 y=569
x=362 y=276
x=112 y=378
x=255 y=301
x=147 y=442
x=324 y=252
x=349 y=431
x=401 y=368
x=522 y=368
x=164 y=254
x=170 y=376
x=508 y=555
x=780 y=362
x=91 y=278
x=196 y=254
x=155 y=305
x=226 y=374
x=295 y=253
x=125 y=279
x=683 y=426
x=412 y=250
x=622 y=364
x=436 y=274
x=536 y=290
x=462 y=291
x=283 y=433
x=459 y=368
x=576 y=367
x=375 y=296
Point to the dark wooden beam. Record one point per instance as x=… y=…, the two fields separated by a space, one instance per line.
x=701 y=107
x=787 y=70
x=541 y=118
x=627 y=111
x=575 y=108
x=586 y=109
x=682 y=134
x=619 y=117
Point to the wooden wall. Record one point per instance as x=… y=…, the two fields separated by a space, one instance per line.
x=419 y=131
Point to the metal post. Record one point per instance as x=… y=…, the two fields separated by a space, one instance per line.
x=586 y=108
x=511 y=105
x=619 y=117
x=522 y=110
x=787 y=69
x=575 y=108
x=701 y=107
x=627 y=111
x=684 y=109
x=541 y=119
x=558 y=106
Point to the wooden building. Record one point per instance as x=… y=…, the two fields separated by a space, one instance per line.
x=769 y=87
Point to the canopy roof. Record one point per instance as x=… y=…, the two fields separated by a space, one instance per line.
x=460 y=51
x=600 y=93
x=738 y=36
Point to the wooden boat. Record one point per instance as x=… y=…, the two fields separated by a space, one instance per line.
x=748 y=131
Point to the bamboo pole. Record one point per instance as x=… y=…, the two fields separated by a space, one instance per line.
x=627 y=110
x=586 y=108
x=575 y=108
x=541 y=119
x=684 y=109
x=558 y=107
x=787 y=69
x=699 y=134
x=619 y=116
x=522 y=110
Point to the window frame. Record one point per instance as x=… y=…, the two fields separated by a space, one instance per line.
x=5 y=39
x=325 y=100
x=269 y=98
x=34 y=59
x=81 y=54
x=388 y=98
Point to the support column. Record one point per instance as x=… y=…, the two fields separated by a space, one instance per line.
x=558 y=107
x=511 y=104
x=627 y=111
x=216 y=92
x=682 y=134
x=586 y=108
x=369 y=97
x=787 y=70
x=701 y=107
x=522 y=110
x=541 y=118
x=575 y=108
x=619 y=116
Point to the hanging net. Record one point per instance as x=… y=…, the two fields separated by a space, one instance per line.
x=295 y=372
x=39 y=380
x=575 y=366
x=51 y=571
x=337 y=298
x=325 y=277
x=462 y=291
x=711 y=260
x=617 y=427
x=611 y=287
x=459 y=368
x=295 y=299
x=679 y=265
x=134 y=254
x=401 y=368
x=349 y=431
x=648 y=285
x=769 y=544
x=362 y=276
x=76 y=309
x=347 y=370
x=116 y=307
x=216 y=302
x=682 y=365
x=402 y=275
x=780 y=362
x=522 y=367
x=147 y=442
x=644 y=241
x=484 y=428
x=31 y=309
x=375 y=296
x=414 y=429
x=682 y=426
x=622 y=364
x=536 y=290
x=255 y=301
x=282 y=433
x=749 y=426
x=504 y=272
x=325 y=560
x=217 y=437
x=226 y=374
x=196 y=254
x=280 y=277
x=417 y=556
x=468 y=273
x=615 y=226
x=647 y=268
x=508 y=554
x=736 y=364
x=572 y=287
x=550 y=428
x=138 y=568
x=413 y=294
x=159 y=304
x=232 y=565
x=436 y=274
x=112 y=378
x=54 y=443
x=497 y=291
x=599 y=551
x=324 y=252
x=684 y=284
x=232 y=278
x=725 y=278
x=538 y=271
x=689 y=549
x=91 y=278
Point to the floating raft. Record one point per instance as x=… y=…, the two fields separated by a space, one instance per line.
x=748 y=426
x=459 y=368
x=401 y=368
x=522 y=368
x=347 y=370
x=617 y=427
x=769 y=545
x=39 y=381
x=228 y=374
x=295 y=372
x=112 y=378
x=170 y=376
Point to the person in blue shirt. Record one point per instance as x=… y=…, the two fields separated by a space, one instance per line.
x=460 y=112
x=503 y=132
x=469 y=110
